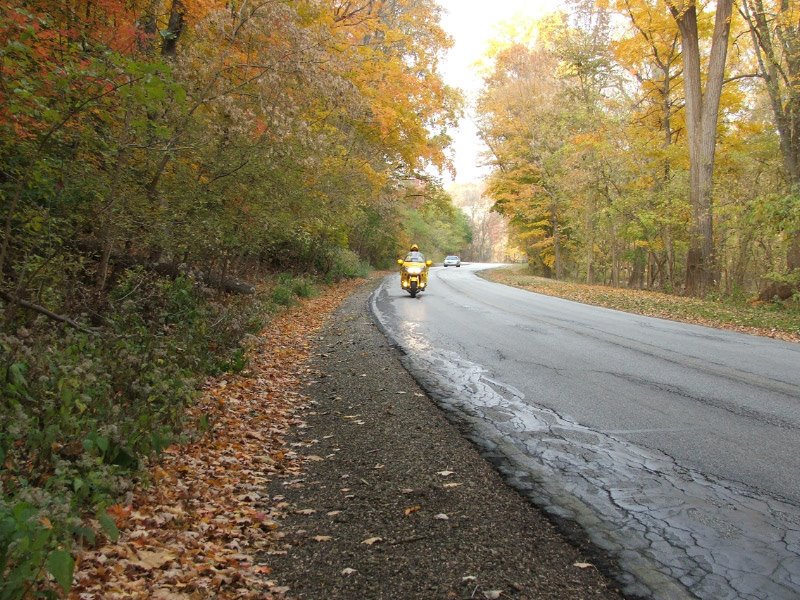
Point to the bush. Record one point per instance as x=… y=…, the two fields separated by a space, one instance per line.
x=282 y=295
x=346 y=264
x=303 y=287
x=80 y=413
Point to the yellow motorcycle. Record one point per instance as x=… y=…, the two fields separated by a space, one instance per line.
x=414 y=273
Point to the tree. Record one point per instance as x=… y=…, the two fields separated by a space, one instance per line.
x=702 y=112
x=776 y=39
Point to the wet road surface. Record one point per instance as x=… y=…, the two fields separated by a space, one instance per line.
x=676 y=447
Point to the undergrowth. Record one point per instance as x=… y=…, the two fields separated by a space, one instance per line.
x=81 y=412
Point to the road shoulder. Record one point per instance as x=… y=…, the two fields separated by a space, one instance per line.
x=394 y=503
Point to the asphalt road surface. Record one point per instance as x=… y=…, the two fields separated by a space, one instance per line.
x=675 y=446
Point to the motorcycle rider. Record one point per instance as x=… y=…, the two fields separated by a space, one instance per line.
x=414 y=255
x=415 y=261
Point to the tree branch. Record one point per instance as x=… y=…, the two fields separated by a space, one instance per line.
x=43 y=311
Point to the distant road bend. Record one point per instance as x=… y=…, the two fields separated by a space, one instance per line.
x=676 y=447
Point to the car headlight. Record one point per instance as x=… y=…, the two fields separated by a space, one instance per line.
x=414 y=270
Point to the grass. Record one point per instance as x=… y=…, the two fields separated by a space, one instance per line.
x=772 y=319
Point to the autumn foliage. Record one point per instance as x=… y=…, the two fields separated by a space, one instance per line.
x=588 y=134
x=172 y=172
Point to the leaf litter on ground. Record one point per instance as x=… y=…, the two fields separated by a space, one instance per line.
x=779 y=321
x=199 y=525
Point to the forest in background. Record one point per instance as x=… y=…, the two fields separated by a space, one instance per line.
x=172 y=172
x=585 y=117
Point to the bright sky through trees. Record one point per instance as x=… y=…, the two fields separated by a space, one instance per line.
x=472 y=24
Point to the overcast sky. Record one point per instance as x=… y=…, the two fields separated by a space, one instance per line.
x=472 y=24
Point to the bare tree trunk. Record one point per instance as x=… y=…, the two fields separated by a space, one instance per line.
x=793 y=256
x=590 y=233
x=636 y=278
x=175 y=26
x=559 y=267
x=702 y=111
x=614 y=257
x=7 y=230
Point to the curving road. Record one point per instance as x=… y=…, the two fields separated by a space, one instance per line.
x=676 y=447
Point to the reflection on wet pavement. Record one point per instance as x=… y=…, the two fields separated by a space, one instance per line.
x=671 y=529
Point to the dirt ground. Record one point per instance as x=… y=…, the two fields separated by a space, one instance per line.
x=394 y=503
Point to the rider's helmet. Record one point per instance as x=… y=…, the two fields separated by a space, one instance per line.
x=414 y=248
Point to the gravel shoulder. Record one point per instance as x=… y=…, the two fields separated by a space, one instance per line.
x=394 y=503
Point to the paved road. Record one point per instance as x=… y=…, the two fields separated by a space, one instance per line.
x=676 y=447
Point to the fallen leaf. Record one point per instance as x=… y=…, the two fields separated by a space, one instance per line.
x=412 y=509
x=469 y=578
x=305 y=511
x=583 y=565
x=149 y=560
x=322 y=538
x=451 y=485
x=349 y=571
x=441 y=517
x=492 y=594
x=333 y=513
x=372 y=540
x=280 y=589
x=445 y=473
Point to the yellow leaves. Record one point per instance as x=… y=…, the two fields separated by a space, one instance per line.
x=412 y=509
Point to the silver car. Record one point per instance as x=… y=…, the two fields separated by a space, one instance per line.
x=452 y=261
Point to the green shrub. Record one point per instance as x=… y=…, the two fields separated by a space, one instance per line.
x=346 y=264
x=303 y=287
x=80 y=413
x=282 y=295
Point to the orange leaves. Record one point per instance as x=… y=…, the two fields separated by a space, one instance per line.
x=199 y=529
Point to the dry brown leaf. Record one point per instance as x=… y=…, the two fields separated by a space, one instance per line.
x=149 y=560
x=372 y=540
x=322 y=538
x=412 y=509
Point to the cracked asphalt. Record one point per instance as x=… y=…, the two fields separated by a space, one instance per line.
x=672 y=446
x=395 y=503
